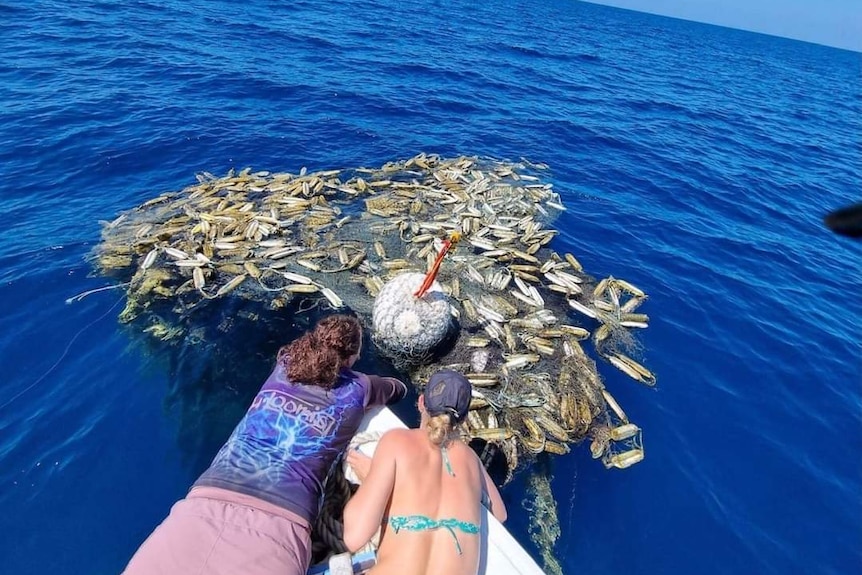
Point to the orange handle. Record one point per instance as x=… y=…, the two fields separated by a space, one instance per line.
x=435 y=268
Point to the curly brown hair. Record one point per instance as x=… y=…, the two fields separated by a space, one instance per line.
x=316 y=357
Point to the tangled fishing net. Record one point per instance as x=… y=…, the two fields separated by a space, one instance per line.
x=544 y=522
x=506 y=309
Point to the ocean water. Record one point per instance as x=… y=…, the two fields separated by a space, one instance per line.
x=694 y=161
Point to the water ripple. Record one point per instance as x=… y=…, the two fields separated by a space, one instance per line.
x=696 y=162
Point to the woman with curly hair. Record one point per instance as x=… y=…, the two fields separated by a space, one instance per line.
x=251 y=512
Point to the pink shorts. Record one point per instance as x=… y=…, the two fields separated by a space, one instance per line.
x=215 y=531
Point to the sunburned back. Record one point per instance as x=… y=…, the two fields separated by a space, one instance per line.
x=433 y=514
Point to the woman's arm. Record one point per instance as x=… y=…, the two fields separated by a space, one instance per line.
x=495 y=501
x=384 y=390
x=364 y=512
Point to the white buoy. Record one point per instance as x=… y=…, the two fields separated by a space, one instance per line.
x=408 y=327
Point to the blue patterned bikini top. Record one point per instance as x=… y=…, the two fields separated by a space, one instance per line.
x=425 y=523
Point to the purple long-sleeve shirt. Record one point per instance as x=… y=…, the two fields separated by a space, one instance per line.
x=285 y=446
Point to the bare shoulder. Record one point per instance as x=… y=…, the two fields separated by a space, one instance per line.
x=404 y=441
x=464 y=449
x=394 y=438
x=397 y=445
x=466 y=454
x=399 y=434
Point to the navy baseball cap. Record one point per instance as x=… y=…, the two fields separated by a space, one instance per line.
x=448 y=392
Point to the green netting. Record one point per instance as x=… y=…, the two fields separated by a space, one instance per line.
x=300 y=243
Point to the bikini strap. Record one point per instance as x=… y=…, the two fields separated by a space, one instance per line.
x=446 y=461
x=455 y=537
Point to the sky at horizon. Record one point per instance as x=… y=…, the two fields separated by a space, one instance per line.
x=836 y=23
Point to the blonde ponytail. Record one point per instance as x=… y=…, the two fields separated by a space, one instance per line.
x=440 y=429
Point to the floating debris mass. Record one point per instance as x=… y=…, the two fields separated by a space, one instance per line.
x=334 y=238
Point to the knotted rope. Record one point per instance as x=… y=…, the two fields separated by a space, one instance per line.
x=327 y=535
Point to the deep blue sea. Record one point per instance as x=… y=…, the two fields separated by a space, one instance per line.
x=695 y=161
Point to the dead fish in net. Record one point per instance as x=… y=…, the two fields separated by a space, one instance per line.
x=252 y=269
x=302 y=288
x=568 y=409
x=625 y=459
x=605 y=306
x=150 y=259
x=632 y=368
x=539 y=344
x=572 y=261
x=534 y=440
x=601 y=334
x=231 y=285
x=477 y=341
x=483 y=379
x=631 y=305
x=600 y=288
x=492 y=433
x=614 y=406
x=176 y=253
x=334 y=300
x=579 y=333
x=581 y=308
x=515 y=361
x=198 y=277
x=625 y=431
x=189 y=263
x=629 y=288
x=551 y=427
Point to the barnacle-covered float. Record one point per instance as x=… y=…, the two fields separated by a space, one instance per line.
x=517 y=312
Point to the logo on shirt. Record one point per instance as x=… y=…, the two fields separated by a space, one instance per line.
x=303 y=411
